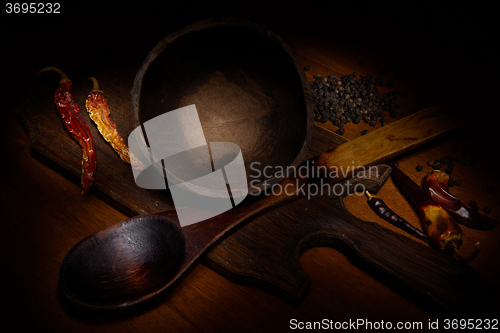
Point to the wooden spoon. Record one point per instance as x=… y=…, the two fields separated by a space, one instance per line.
x=135 y=260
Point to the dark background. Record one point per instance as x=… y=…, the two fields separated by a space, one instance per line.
x=455 y=43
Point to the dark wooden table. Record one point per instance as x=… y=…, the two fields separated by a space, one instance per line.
x=45 y=214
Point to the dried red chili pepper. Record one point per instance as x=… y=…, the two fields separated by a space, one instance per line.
x=435 y=185
x=98 y=109
x=381 y=209
x=76 y=126
x=444 y=233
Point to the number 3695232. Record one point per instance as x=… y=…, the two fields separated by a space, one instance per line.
x=33 y=8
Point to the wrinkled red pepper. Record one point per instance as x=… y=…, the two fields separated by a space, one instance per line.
x=444 y=233
x=76 y=126
x=435 y=185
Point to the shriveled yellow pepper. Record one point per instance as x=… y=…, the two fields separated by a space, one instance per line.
x=98 y=109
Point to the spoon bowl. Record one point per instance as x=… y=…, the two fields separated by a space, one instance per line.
x=125 y=263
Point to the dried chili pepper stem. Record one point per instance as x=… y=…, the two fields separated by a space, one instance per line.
x=95 y=85
x=98 y=109
x=64 y=77
x=458 y=256
x=76 y=126
x=444 y=233
x=381 y=209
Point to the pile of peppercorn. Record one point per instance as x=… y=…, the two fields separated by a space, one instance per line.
x=346 y=99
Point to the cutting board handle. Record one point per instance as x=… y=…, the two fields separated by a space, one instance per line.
x=435 y=281
x=432 y=280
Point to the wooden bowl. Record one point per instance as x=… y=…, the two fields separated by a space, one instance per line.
x=247 y=85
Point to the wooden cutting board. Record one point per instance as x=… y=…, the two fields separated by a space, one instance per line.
x=265 y=252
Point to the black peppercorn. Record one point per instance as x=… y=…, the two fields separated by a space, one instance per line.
x=358 y=99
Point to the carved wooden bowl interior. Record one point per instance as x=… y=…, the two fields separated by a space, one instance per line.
x=247 y=85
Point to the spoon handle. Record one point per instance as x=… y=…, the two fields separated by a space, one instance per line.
x=333 y=166
x=392 y=140
x=373 y=148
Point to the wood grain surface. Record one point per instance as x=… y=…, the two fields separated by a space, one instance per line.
x=45 y=215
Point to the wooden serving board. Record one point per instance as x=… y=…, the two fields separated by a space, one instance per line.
x=265 y=252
